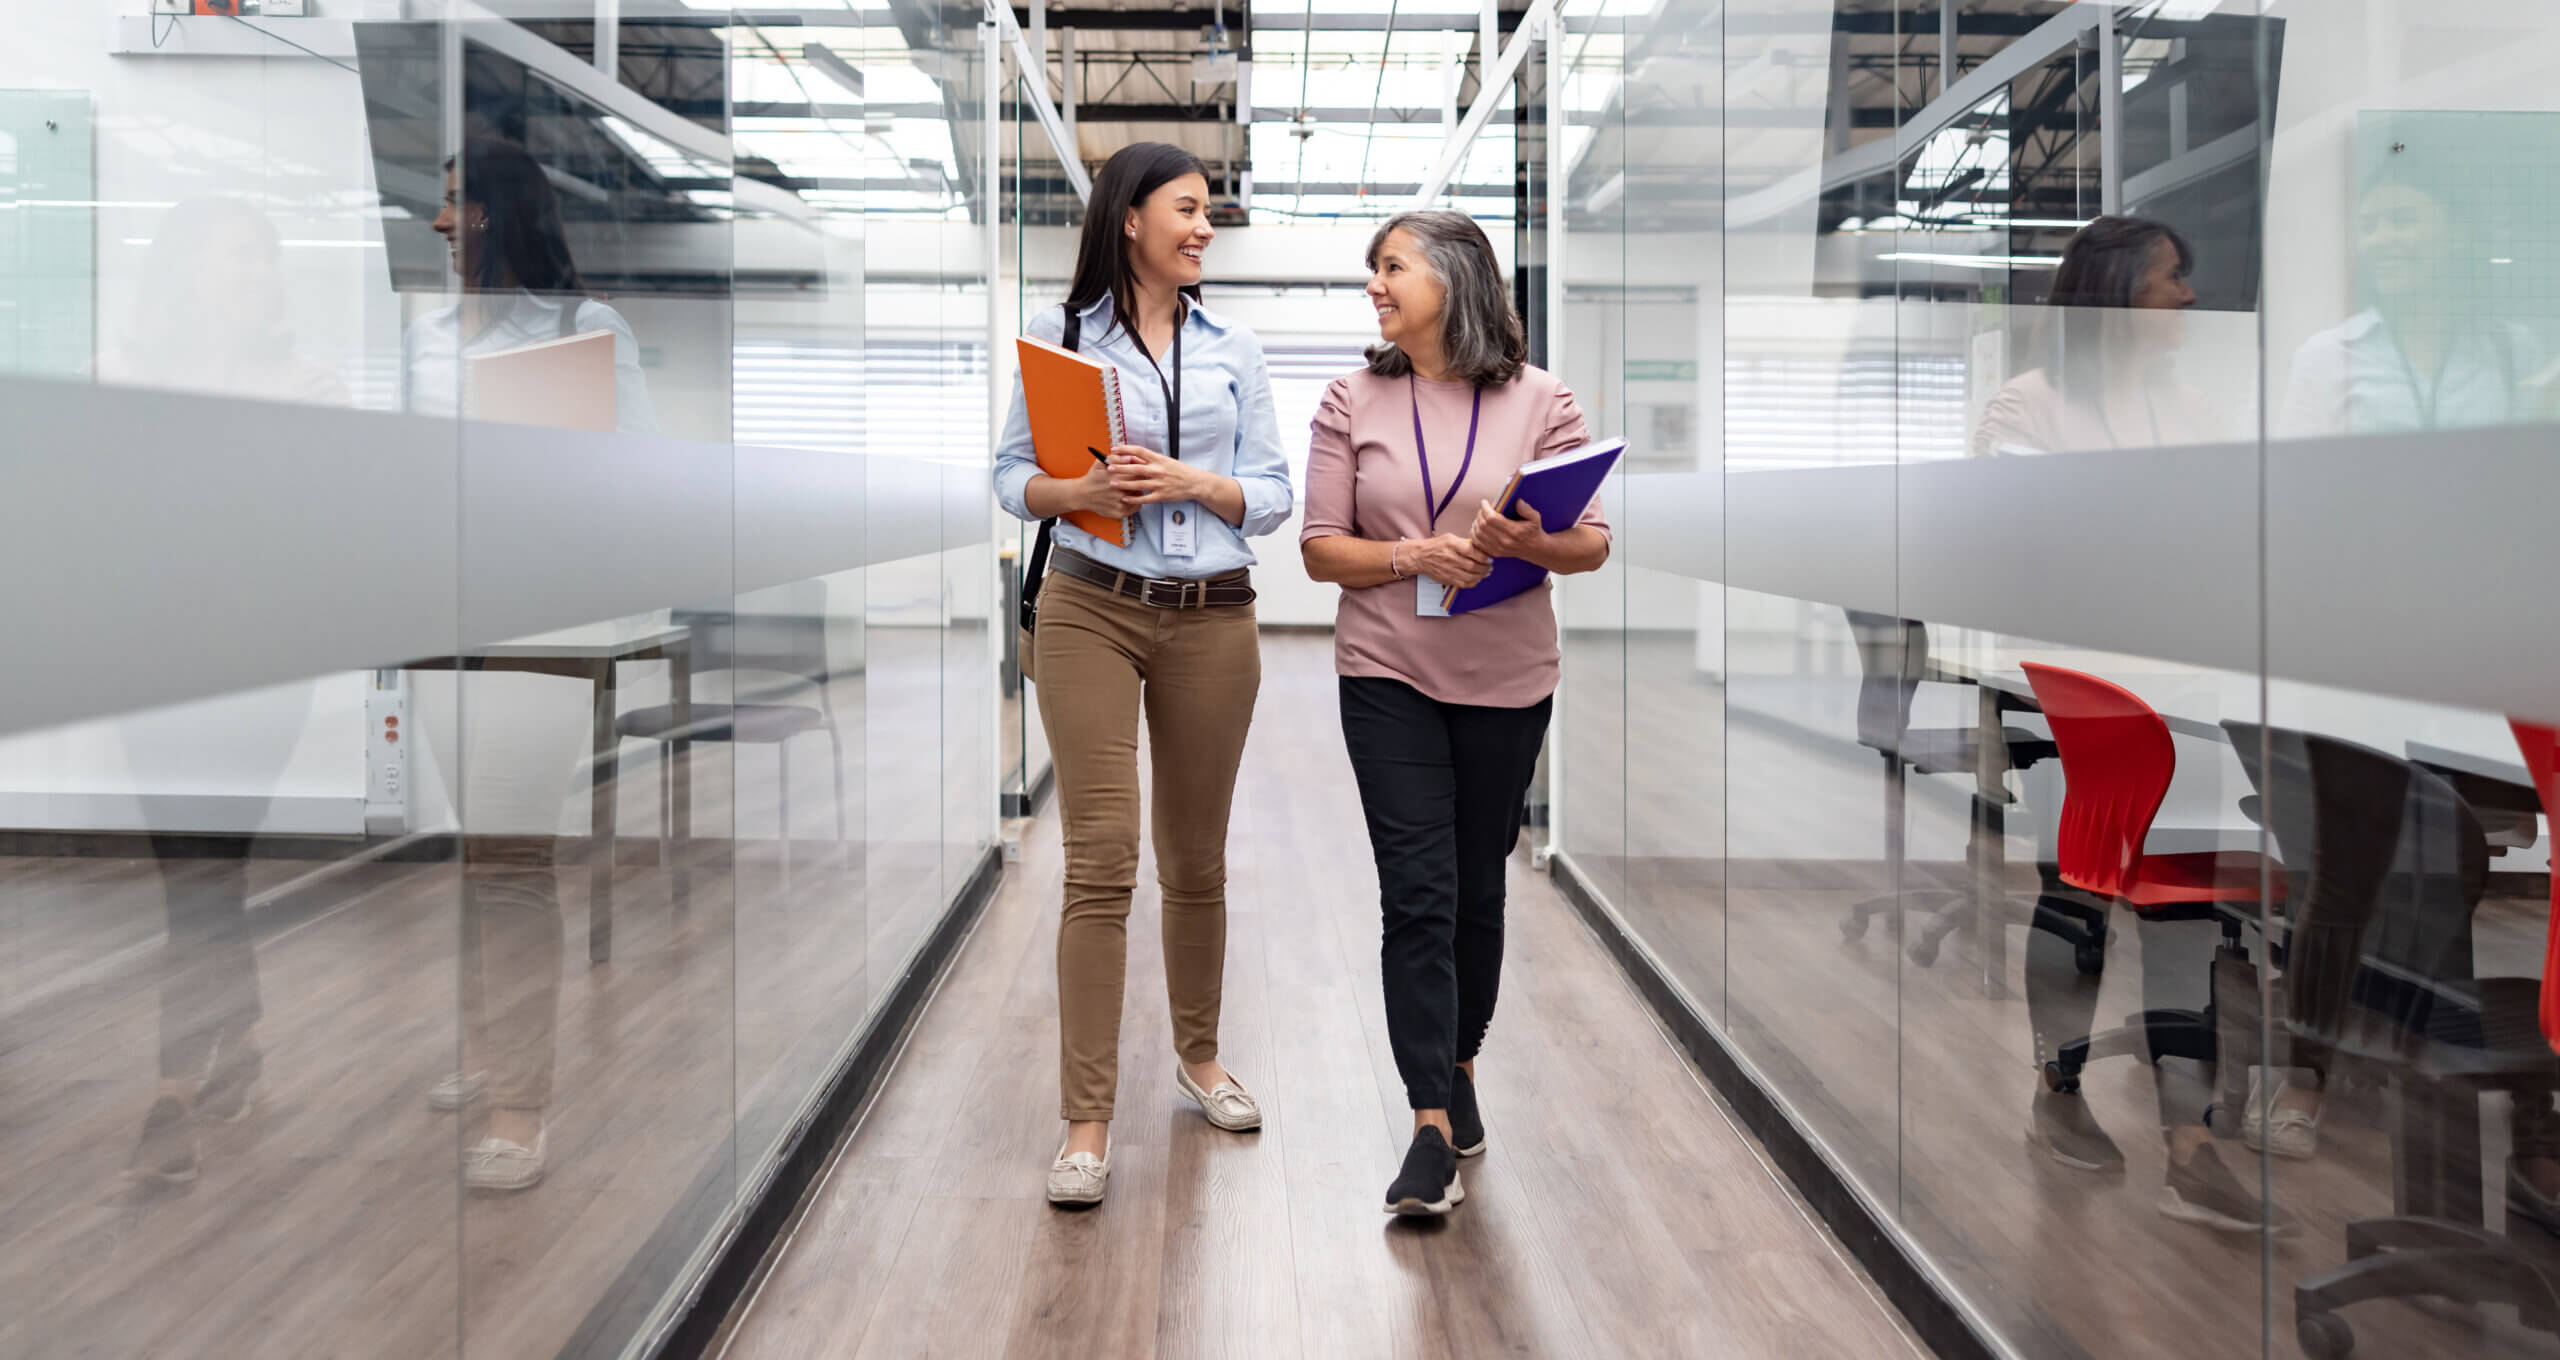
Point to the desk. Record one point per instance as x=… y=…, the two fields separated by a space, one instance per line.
x=2192 y=700
x=2437 y=1134
x=595 y=653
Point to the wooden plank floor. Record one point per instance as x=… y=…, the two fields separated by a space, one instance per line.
x=1619 y=1212
x=332 y=1220
x=1915 y=1078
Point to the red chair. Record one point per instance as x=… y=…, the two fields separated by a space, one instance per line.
x=2541 y=746
x=2116 y=764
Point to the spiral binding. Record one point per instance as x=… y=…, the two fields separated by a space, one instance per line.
x=1119 y=435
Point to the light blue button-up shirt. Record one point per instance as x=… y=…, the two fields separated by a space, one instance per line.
x=1227 y=427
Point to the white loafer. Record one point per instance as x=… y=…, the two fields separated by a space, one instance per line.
x=1079 y=1179
x=499 y=1164
x=2286 y=1131
x=1229 y=1106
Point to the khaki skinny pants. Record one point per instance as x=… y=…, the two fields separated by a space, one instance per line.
x=1101 y=658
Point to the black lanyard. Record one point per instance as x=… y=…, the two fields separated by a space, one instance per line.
x=1434 y=512
x=1172 y=393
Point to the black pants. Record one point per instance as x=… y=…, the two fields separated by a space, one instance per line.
x=209 y=964
x=2177 y=974
x=1442 y=785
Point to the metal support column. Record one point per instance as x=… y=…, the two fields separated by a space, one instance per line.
x=1947 y=56
x=609 y=38
x=2110 y=112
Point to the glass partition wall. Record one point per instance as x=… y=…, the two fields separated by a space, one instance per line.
x=505 y=675
x=2073 y=731
x=1042 y=216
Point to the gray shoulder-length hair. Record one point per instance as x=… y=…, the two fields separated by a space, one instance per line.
x=1481 y=338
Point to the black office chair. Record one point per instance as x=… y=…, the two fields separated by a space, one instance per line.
x=2378 y=971
x=792 y=646
x=1893 y=655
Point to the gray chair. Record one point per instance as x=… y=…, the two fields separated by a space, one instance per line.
x=1893 y=656
x=2379 y=974
x=791 y=646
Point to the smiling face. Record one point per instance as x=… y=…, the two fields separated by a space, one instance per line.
x=1408 y=296
x=1168 y=232
x=2404 y=237
x=460 y=224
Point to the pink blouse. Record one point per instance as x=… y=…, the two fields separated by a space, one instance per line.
x=1364 y=480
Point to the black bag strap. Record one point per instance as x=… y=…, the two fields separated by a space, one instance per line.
x=1038 y=566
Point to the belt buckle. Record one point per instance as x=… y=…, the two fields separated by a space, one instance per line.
x=1147 y=593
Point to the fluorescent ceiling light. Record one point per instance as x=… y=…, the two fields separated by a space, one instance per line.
x=661 y=155
x=1975 y=261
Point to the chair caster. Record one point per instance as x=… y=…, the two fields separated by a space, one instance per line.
x=1924 y=952
x=2323 y=1336
x=2090 y=958
x=1852 y=927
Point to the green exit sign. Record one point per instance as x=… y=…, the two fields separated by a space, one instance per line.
x=1662 y=370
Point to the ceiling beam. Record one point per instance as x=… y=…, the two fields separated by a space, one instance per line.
x=1193 y=20
x=1488 y=93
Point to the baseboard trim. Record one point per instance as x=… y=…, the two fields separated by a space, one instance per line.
x=1925 y=1301
x=707 y=1257
x=1018 y=805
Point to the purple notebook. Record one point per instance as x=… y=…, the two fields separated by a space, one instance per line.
x=1561 y=488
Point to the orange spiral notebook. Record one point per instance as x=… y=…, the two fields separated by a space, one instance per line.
x=1074 y=405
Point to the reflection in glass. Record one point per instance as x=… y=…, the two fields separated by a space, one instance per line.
x=211 y=314
x=2105 y=376
x=2445 y=338
x=524 y=343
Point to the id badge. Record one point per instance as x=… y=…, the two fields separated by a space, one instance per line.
x=1181 y=529
x=1426 y=598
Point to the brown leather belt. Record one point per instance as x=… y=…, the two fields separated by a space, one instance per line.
x=1234 y=588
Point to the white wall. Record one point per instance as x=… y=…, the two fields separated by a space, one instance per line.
x=289 y=134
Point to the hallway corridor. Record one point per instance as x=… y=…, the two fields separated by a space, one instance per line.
x=1618 y=1212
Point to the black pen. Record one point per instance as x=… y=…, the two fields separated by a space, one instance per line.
x=1098 y=455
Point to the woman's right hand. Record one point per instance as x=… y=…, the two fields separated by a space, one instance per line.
x=1093 y=492
x=1448 y=559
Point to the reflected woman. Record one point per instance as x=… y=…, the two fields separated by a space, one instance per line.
x=2106 y=379
x=222 y=332
x=1444 y=716
x=1161 y=625
x=502 y=228
x=521 y=741
x=2420 y=355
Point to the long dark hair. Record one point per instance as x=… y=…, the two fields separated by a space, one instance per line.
x=1129 y=178
x=524 y=246
x=2106 y=258
x=2101 y=268
x=1481 y=339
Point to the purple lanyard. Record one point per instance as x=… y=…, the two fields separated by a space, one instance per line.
x=1424 y=453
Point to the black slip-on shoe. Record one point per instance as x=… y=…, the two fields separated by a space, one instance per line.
x=1428 y=1184
x=1466 y=1119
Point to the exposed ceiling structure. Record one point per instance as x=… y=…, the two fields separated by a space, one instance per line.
x=1677 y=112
x=1731 y=116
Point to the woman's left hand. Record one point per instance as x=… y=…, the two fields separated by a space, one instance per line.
x=1147 y=477
x=1495 y=536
